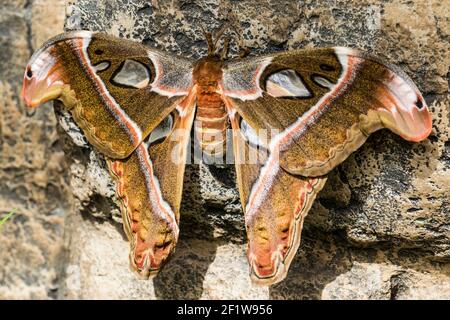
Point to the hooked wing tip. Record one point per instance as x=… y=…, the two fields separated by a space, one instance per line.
x=404 y=110
x=413 y=123
x=35 y=92
x=45 y=75
x=44 y=78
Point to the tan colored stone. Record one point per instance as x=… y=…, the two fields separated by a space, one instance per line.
x=386 y=281
x=414 y=28
x=31 y=181
x=362 y=282
x=47 y=20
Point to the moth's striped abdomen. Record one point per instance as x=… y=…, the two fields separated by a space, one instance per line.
x=211 y=122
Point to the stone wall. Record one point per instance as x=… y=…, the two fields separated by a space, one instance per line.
x=33 y=171
x=380 y=229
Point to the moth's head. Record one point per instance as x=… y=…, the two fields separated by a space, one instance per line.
x=208 y=70
x=44 y=77
x=212 y=41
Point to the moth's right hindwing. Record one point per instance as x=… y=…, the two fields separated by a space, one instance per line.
x=275 y=204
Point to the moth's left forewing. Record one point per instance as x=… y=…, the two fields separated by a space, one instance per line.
x=146 y=83
x=117 y=90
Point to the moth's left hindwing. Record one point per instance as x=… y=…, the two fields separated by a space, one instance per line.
x=117 y=90
x=150 y=184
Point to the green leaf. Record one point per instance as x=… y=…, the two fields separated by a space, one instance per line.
x=7 y=217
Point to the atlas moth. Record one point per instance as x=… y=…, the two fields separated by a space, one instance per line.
x=137 y=106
